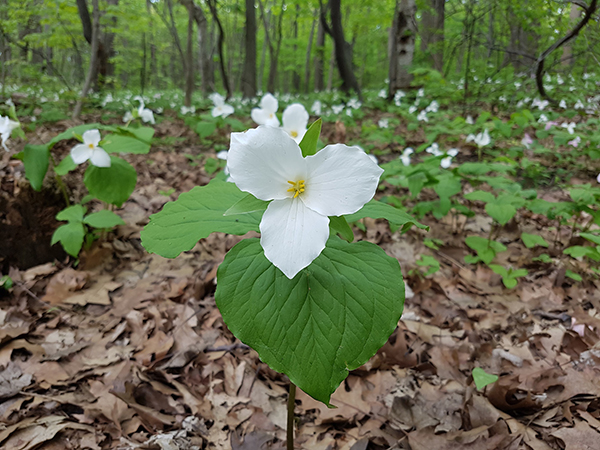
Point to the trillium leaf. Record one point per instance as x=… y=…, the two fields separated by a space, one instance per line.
x=103 y=219
x=194 y=215
x=112 y=184
x=309 y=142
x=247 y=205
x=379 y=210
x=482 y=378
x=501 y=213
x=36 y=160
x=71 y=214
x=531 y=240
x=329 y=319
x=118 y=143
x=70 y=236
x=339 y=224
x=205 y=129
x=65 y=166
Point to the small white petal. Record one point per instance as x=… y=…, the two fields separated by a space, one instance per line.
x=262 y=161
x=81 y=153
x=91 y=137
x=295 y=120
x=292 y=235
x=269 y=103
x=227 y=110
x=222 y=155
x=341 y=180
x=446 y=162
x=100 y=158
x=217 y=99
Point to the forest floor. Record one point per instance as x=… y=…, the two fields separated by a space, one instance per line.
x=128 y=350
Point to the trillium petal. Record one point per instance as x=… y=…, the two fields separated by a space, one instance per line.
x=292 y=235
x=217 y=110
x=260 y=116
x=81 y=153
x=217 y=99
x=91 y=137
x=100 y=158
x=227 y=110
x=295 y=118
x=269 y=103
x=341 y=180
x=262 y=161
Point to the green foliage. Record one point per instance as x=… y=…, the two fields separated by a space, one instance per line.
x=486 y=249
x=330 y=319
x=429 y=263
x=531 y=240
x=509 y=276
x=112 y=184
x=482 y=378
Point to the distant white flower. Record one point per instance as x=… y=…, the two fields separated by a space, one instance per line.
x=316 y=108
x=434 y=149
x=575 y=142
x=304 y=192
x=295 y=120
x=541 y=104
x=447 y=161
x=6 y=128
x=266 y=114
x=108 y=99
x=382 y=93
x=569 y=126
x=578 y=105
x=559 y=80
x=420 y=93
x=543 y=118
x=221 y=109
x=433 y=107
x=337 y=109
x=89 y=150
x=144 y=113
x=354 y=103
x=187 y=110
x=412 y=109
x=469 y=120
x=562 y=104
x=526 y=141
x=398 y=96
x=405 y=157
x=128 y=117
x=502 y=98
x=517 y=84
x=349 y=112
x=481 y=139
x=222 y=155
x=422 y=117
x=383 y=123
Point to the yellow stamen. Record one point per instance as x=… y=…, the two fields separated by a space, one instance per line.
x=297 y=187
x=91 y=145
x=294 y=134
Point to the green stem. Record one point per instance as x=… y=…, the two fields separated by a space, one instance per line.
x=290 y=416
x=63 y=189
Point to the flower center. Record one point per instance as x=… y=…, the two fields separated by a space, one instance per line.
x=297 y=187
x=294 y=134
x=271 y=116
x=91 y=145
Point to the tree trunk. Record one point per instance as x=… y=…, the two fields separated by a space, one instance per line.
x=92 y=74
x=189 y=65
x=567 y=54
x=331 y=69
x=320 y=56
x=221 y=35
x=403 y=33
x=523 y=41
x=432 y=32
x=295 y=73
x=343 y=50
x=308 y=52
x=249 y=72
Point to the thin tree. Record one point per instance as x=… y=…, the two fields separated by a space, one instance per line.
x=92 y=71
x=212 y=5
x=249 y=72
x=402 y=45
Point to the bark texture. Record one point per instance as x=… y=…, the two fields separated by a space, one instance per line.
x=402 y=45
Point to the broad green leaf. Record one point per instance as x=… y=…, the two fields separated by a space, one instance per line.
x=193 y=216
x=482 y=378
x=205 y=129
x=448 y=186
x=340 y=225
x=112 y=184
x=573 y=275
x=247 y=205
x=118 y=143
x=379 y=210
x=71 y=214
x=75 y=131
x=330 y=319
x=309 y=142
x=70 y=236
x=591 y=237
x=499 y=270
x=531 y=240
x=103 y=219
x=481 y=196
x=501 y=213
x=141 y=133
x=65 y=166
x=36 y=160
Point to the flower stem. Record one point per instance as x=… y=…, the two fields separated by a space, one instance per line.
x=290 y=416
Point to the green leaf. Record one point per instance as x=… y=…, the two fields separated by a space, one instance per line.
x=309 y=142
x=205 y=129
x=501 y=213
x=499 y=270
x=330 y=319
x=141 y=133
x=71 y=214
x=378 y=210
x=247 y=205
x=72 y=132
x=531 y=240
x=112 y=184
x=36 y=160
x=194 y=215
x=118 y=143
x=486 y=250
x=482 y=378
x=65 y=166
x=481 y=196
x=103 y=219
x=509 y=282
x=591 y=237
x=573 y=275
x=70 y=236
x=340 y=225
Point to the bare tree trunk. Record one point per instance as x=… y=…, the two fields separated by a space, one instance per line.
x=95 y=38
x=567 y=54
x=432 y=32
x=273 y=48
x=331 y=69
x=295 y=74
x=320 y=56
x=249 y=73
x=308 y=51
x=403 y=34
x=212 y=4
x=343 y=50
x=189 y=66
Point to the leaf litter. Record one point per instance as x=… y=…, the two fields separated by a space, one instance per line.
x=128 y=351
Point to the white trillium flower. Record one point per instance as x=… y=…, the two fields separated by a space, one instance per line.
x=469 y=120
x=433 y=107
x=578 y=105
x=412 y=109
x=382 y=93
x=128 y=116
x=405 y=157
x=338 y=180
x=420 y=93
x=422 y=117
x=295 y=120
x=187 y=110
x=337 y=108
x=481 y=139
x=569 y=126
x=6 y=128
x=266 y=114
x=447 y=161
x=383 y=123
x=89 y=150
x=348 y=112
x=316 y=108
x=562 y=104
x=354 y=103
x=543 y=118
x=434 y=150
x=144 y=113
x=221 y=108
